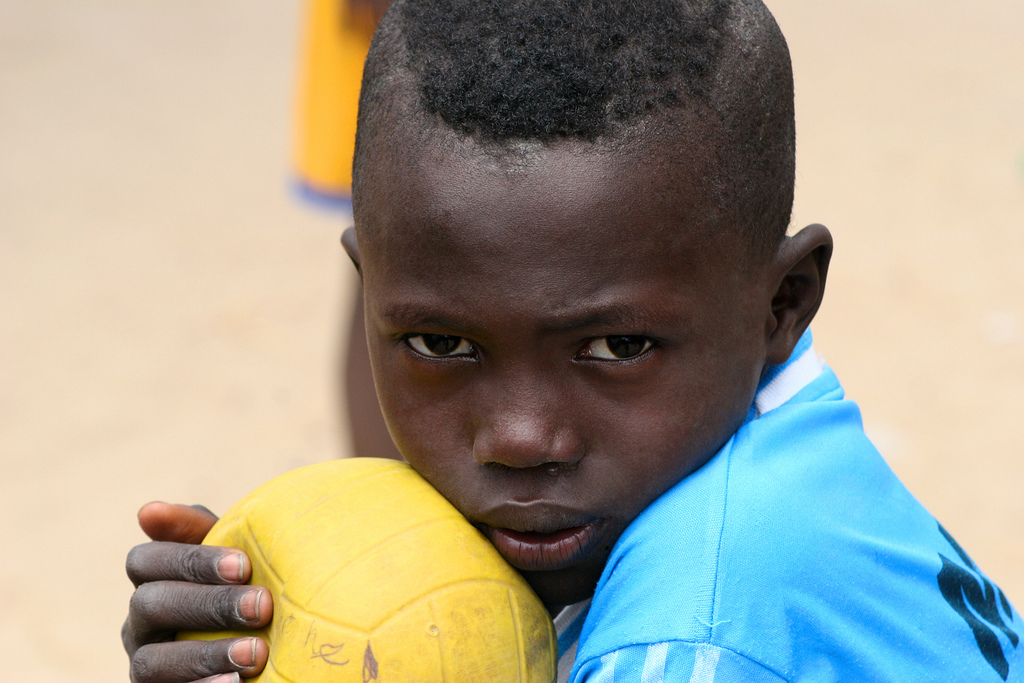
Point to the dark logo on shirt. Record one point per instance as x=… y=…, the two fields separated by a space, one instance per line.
x=978 y=601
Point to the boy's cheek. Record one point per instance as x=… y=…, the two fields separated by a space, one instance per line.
x=424 y=420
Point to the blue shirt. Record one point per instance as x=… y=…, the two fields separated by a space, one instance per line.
x=794 y=554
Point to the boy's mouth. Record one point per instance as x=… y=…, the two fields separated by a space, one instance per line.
x=544 y=551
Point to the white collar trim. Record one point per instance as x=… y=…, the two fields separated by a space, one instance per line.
x=565 y=620
x=795 y=376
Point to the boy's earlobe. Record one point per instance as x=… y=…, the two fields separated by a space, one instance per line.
x=351 y=245
x=801 y=265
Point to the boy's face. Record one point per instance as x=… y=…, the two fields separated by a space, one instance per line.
x=555 y=341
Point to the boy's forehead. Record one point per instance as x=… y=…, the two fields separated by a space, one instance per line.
x=441 y=182
x=543 y=228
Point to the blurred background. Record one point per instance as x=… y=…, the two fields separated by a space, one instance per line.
x=171 y=315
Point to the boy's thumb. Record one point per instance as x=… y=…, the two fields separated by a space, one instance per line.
x=176 y=523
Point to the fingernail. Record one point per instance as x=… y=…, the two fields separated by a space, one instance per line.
x=249 y=605
x=232 y=567
x=227 y=678
x=243 y=653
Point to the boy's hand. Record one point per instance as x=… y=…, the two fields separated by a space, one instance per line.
x=182 y=586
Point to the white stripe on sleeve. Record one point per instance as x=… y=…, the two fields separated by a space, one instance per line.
x=607 y=672
x=654 y=664
x=705 y=663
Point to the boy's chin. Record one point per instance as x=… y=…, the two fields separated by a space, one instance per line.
x=562 y=587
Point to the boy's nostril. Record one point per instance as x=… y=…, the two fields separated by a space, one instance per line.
x=556 y=468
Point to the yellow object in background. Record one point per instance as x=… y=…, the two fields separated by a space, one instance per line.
x=337 y=38
x=376 y=577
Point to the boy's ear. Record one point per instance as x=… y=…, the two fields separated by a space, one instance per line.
x=800 y=266
x=351 y=245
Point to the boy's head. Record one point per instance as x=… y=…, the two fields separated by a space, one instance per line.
x=507 y=73
x=570 y=223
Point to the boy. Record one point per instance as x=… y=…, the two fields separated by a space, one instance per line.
x=588 y=330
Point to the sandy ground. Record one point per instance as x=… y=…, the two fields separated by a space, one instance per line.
x=170 y=314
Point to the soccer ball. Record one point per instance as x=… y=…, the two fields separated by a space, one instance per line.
x=376 y=577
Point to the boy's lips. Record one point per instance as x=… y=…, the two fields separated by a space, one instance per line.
x=544 y=551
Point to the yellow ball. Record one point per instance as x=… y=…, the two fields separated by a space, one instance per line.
x=376 y=577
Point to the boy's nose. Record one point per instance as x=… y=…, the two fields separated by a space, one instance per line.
x=524 y=434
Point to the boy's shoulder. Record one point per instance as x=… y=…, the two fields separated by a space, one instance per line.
x=797 y=548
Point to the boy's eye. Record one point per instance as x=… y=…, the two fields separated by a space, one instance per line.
x=439 y=345
x=617 y=347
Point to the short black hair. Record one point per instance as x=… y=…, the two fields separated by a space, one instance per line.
x=503 y=71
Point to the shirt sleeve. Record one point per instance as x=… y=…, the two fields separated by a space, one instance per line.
x=673 y=662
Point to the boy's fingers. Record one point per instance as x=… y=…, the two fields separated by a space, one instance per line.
x=160 y=609
x=166 y=607
x=159 y=561
x=221 y=678
x=198 y=660
x=176 y=523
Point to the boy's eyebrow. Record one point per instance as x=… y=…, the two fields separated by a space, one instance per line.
x=623 y=317
x=411 y=317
